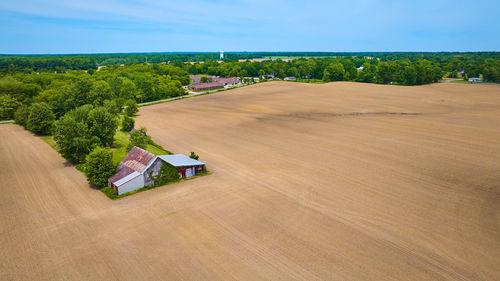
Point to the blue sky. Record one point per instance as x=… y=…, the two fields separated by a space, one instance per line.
x=91 y=26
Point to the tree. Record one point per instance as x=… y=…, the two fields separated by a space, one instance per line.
x=334 y=72
x=8 y=106
x=112 y=106
x=131 y=108
x=40 y=119
x=194 y=156
x=292 y=71
x=99 y=167
x=139 y=138
x=78 y=93
x=128 y=124
x=128 y=89
x=383 y=73
x=103 y=125
x=100 y=91
x=22 y=114
x=72 y=138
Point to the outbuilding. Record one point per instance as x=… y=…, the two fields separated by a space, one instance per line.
x=140 y=167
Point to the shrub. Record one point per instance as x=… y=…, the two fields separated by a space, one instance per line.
x=168 y=173
x=40 y=119
x=99 y=167
x=111 y=193
x=128 y=124
x=194 y=156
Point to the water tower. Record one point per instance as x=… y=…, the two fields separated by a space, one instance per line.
x=221 y=55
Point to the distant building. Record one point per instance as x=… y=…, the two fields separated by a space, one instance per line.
x=197 y=79
x=228 y=81
x=140 y=165
x=290 y=78
x=360 y=68
x=221 y=55
x=206 y=86
x=475 y=80
x=217 y=82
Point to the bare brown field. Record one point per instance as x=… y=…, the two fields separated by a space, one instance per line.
x=338 y=181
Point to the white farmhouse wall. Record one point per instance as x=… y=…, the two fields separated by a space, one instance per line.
x=131 y=185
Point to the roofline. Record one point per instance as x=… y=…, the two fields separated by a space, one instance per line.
x=201 y=163
x=138 y=174
x=151 y=163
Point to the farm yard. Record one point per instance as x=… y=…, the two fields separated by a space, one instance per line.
x=337 y=181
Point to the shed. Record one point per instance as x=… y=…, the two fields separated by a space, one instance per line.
x=138 y=168
x=186 y=167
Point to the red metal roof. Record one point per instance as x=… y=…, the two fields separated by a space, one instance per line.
x=136 y=161
x=203 y=86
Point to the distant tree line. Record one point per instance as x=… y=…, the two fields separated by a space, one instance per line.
x=116 y=85
x=402 y=69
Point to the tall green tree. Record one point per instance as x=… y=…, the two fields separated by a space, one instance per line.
x=334 y=72
x=103 y=125
x=40 y=118
x=8 y=106
x=131 y=108
x=99 y=167
x=22 y=115
x=73 y=139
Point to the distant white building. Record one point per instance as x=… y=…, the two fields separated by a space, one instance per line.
x=291 y=78
x=475 y=80
x=221 y=55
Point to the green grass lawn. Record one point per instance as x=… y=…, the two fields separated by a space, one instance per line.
x=121 y=141
x=119 y=147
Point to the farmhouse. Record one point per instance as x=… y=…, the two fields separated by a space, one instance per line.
x=138 y=168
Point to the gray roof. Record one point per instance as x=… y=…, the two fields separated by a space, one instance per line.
x=180 y=160
x=126 y=178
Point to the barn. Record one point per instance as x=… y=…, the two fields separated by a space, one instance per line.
x=138 y=168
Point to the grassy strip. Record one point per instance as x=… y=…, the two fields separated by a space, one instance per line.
x=121 y=141
x=313 y=81
x=50 y=141
x=112 y=194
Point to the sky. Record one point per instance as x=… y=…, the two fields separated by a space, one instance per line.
x=113 y=26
